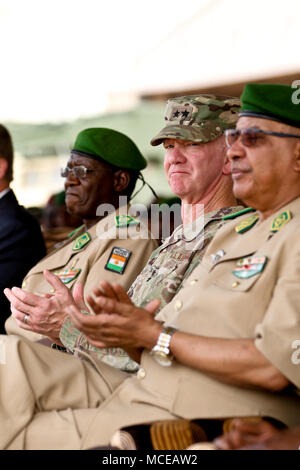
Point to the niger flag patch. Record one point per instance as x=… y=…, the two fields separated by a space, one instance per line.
x=118 y=260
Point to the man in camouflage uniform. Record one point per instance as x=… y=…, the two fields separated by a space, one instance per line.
x=195 y=155
x=197 y=122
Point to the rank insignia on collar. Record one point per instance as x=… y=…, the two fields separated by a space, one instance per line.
x=280 y=221
x=248 y=267
x=125 y=220
x=118 y=260
x=68 y=275
x=81 y=241
x=246 y=224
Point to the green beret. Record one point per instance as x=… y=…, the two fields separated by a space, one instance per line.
x=271 y=101
x=111 y=146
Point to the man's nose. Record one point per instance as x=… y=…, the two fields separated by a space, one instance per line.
x=71 y=179
x=175 y=155
x=236 y=151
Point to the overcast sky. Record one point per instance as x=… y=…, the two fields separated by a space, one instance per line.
x=60 y=58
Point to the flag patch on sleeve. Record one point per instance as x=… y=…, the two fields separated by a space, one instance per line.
x=118 y=260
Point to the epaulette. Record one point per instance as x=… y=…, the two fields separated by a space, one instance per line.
x=75 y=231
x=125 y=220
x=237 y=214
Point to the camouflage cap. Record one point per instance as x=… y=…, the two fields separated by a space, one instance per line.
x=199 y=118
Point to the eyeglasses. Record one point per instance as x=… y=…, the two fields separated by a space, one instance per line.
x=78 y=171
x=249 y=136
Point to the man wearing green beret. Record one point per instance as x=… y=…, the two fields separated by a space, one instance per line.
x=104 y=164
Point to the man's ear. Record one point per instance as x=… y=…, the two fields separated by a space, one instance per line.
x=121 y=180
x=226 y=168
x=3 y=168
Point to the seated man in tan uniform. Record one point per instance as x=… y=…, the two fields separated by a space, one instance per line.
x=198 y=171
x=104 y=164
x=236 y=318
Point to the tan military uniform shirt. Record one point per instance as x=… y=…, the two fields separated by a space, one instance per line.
x=261 y=302
x=84 y=258
x=160 y=279
x=263 y=305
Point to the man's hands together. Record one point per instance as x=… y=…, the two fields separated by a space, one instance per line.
x=47 y=313
x=117 y=321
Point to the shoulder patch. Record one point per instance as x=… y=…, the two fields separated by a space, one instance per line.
x=125 y=220
x=237 y=214
x=118 y=260
x=81 y=241
x=281 y=220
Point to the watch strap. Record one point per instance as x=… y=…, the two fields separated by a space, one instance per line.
x=163 y=342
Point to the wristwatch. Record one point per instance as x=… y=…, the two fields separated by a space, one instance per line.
x=161 y=351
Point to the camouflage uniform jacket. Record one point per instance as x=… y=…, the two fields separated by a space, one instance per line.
x=175 y=259
x=161 y=278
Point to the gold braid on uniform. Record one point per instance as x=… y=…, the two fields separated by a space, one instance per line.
x=171 y=434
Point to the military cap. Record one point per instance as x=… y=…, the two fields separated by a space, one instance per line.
x=112 y=146
x=271 y=101
x=199 y=118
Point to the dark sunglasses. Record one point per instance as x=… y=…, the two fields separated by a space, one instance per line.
x=249 y=136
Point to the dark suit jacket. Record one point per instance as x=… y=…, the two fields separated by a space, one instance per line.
x=21 y=247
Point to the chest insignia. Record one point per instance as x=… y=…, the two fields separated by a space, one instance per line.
x=125 y=220
x=246 y=224
x=118 y=260
x=280 y=221
x=68 y=275
x=81 y=241
x=248 y=267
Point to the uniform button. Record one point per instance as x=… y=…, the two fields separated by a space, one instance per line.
x=194 y=281
x=235 y=284
x=52 y=291
x=178 y=305
x=141 y=374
